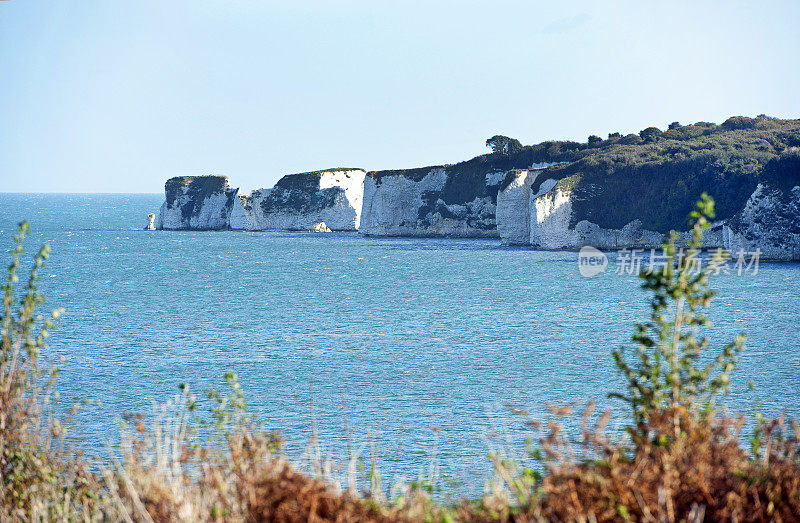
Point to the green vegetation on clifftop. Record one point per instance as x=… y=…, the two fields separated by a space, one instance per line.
x=653 y=176
x=197 y=188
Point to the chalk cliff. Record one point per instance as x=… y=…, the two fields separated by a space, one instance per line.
x=243 y=217
x=626 y=191
x=197 y=202
x=514 y=199
x=404 y=204
x=630 y=191
x=770 y=220
x=543 y=216
x=299 y=201
x=449 y=200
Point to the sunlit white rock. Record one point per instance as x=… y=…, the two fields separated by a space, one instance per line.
x=513 y=208
x=400 y=205
x=769 y=222
x=298 y=201
x=197 y=202
x=320 y=227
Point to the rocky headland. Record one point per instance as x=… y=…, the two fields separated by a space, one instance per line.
x=623 y=191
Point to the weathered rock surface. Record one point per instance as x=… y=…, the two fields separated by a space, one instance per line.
x=242 y=219
x=432 y=201
x=770 y=222
x=151 y=225
x=555 y=223
x=396 y=204
x=197 y=202
x=626 y=191
x=457 y=200
x=513 y=208
x=298 y=201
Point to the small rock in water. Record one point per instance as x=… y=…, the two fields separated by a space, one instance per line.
x=320 y=227
x=151 y=218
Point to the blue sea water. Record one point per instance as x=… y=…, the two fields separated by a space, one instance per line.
x=411 y=333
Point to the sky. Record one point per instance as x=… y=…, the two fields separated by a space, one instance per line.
x=119 y=96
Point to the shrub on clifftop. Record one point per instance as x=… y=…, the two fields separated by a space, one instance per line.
x=503 y=145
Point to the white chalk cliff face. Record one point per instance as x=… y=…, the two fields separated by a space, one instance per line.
x=417 y=203
x=553 y=225
x=299 y=201
x=532 y=206
x=770 y=222
x=197 y=202
x=514 y=199
x=392 y=203
x=513 y=208
x=550 y=215
x=241 y=219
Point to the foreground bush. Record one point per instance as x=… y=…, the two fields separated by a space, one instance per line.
x=683 y=458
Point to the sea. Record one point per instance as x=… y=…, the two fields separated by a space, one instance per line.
x=416 y=353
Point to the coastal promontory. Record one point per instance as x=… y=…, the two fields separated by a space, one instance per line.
x=621 y=191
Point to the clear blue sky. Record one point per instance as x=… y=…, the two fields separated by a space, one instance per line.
x=118 y=96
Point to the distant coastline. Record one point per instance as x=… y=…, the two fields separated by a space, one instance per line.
x=620 y=192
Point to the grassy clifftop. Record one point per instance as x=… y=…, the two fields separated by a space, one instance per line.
x=653 y=176
x=656 y=177
x=300 y=193
x=198 y=187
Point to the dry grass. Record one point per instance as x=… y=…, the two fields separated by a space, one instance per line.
x=165 y=475
x=169 y=473
x=702 y=474
x=679 y=462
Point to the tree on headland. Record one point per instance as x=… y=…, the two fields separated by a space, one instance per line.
x=631 y=139
x=503 y=144
x=651 y=134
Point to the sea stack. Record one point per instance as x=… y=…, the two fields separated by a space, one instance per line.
x=197 y=203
